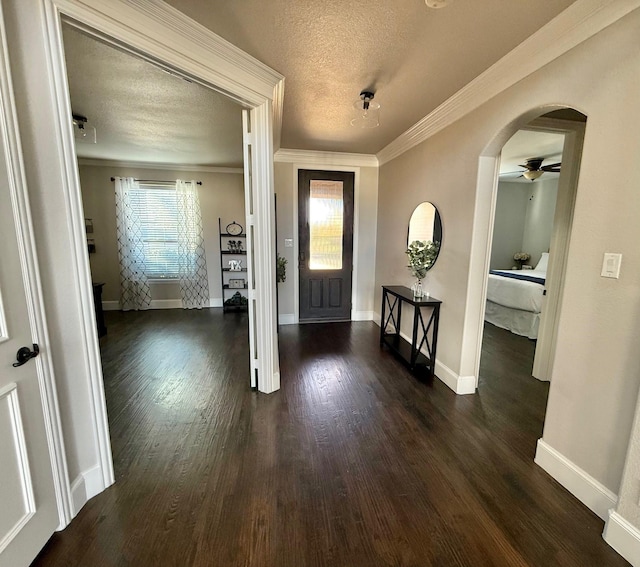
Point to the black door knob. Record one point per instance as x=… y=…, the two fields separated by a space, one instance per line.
x=25 y=354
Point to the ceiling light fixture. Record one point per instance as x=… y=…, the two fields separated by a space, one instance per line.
x=368 y=112
x=437 y=3
x=532 y=175
x=82 y=131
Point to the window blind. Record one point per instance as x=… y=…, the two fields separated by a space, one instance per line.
x=156 y=208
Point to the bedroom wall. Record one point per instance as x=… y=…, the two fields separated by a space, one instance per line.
x=511 y=214
x=595 y=375
x=538 y=224
x=523 y=221
x=221 y=195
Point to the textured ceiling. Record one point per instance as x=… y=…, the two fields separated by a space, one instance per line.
x=413 y=57
x=142 y=113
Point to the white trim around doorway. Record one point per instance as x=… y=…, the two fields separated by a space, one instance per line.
x=154 y=30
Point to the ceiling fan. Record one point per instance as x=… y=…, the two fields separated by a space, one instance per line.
x=534 y=168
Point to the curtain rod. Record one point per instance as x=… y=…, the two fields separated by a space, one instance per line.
x=155 y=181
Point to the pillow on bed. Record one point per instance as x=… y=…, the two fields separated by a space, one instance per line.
x=542 y=264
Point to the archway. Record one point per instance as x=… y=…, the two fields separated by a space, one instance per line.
x=552 y=117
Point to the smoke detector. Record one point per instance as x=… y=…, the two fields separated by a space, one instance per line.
x=435 y=4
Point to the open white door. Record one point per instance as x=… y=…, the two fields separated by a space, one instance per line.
x=29 y=509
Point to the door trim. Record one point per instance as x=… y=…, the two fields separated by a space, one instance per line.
x=32 y=283
x=356 y=224
x=168 y=36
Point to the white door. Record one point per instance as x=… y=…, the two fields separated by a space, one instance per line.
x=28 y=506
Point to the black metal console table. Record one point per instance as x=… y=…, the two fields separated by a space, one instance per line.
x=425 y=334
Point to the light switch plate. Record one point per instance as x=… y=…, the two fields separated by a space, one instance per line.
x=611 y=265
x=288 y=242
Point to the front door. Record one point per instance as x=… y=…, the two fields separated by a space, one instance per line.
x=29 y=512
x=325 y=236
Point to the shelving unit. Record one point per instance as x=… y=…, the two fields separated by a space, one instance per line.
x=227 y=274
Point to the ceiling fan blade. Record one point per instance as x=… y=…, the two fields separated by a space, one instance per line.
x=554 y=167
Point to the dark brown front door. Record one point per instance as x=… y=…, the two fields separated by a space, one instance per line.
x=325 y=232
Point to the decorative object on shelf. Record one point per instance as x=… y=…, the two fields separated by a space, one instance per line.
x=234 y=229
x=367 y=112
x=236 y=300
x=235 y=265
x=281 y=269
x=521 y=258
x=236 y=283
x=422 y=254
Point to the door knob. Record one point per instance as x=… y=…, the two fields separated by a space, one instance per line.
x=25 y=354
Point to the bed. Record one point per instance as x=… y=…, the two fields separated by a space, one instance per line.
x=514 y=298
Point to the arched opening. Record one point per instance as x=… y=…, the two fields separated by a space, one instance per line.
x=555 y=119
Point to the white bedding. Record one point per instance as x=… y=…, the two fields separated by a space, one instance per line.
x=516 y=294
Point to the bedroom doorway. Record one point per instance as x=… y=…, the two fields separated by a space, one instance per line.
x=528 y=243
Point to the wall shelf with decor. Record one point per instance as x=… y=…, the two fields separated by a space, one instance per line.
x=233 y=266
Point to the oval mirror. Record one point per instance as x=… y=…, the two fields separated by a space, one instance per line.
x=425 y=225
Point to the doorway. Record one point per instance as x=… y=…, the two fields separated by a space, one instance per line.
x=325 y=254
x=536 y=316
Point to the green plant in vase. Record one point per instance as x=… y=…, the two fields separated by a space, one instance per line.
x=421 y=254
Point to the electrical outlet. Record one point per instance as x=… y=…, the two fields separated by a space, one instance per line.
x=288 y=242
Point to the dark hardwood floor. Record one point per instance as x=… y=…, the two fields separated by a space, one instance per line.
x=354 y=463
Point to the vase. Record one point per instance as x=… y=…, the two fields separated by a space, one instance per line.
x=418 y=292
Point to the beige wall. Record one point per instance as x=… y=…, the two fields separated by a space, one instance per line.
x=595 y=376
x=221 y=196
x=366 y=204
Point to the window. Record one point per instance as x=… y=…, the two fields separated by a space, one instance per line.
x=326 y=223
x=157 y=211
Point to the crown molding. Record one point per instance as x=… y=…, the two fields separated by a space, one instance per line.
x=159 y=166
x=166 y=29
x=325 y=158
x=576 y=24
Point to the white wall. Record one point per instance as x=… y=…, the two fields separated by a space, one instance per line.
x=595 y=376
x=221 y=196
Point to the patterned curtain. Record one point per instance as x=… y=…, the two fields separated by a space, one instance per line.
x=134 y=287
x=194 y=284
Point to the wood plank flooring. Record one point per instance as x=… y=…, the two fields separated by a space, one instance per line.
x=354 y=463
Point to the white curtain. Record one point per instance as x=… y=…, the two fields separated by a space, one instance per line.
x=194 y=284
x=134 y=287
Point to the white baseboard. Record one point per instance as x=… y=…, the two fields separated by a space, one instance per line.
x=598 y=498
x=88 y=484
x=160 y=304
x=287 y=319
x=623 y=537
x=111 y=306
x=461 y=385
x=362 y=315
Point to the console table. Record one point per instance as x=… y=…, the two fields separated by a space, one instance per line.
x=425 y=327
